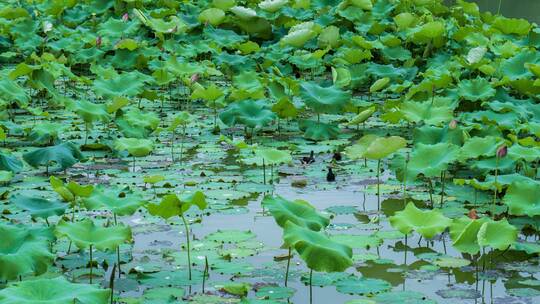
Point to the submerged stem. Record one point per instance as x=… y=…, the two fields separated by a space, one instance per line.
x=288 y=265
x=378 y=185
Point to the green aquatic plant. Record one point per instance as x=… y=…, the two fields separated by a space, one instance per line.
x=373 y=147
x=135 y=147
x=64 y=155
x=318 y=251
x=427 y=223
x=171 y=205
x=87 y=235
x=298 y=212
x=181 y=119
x=53 y=291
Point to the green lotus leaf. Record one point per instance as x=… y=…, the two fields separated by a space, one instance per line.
x=497 y=234
x=464 y=234
x=126 y=84
x=10 y=163
x=515 y=68
x=172 y=205
x=428 y=223
x=46 y=132
x=475 y=147
x=317 y=250
x=317 y=130
x=23 y=251
x=434 y=135
x=379 y=84
x=6 y=176
x=224 y=4
x=512 y=25
x=374 y=147
x=90 y=112
x=272 y=6
x=270 y=156
x=85 y=234
x=181 y=118
x=38 y=207
x=115 y=200
x=298 y=38
x=63 y=155
x=249 y=113
x=211 y=93
x=298 y=212
x=519 y=152
x=432 y=113
x=363 y=286
x=403 y=297
x=523 y=198
x=214 y=16
x=116 y=28
x=10 y=91
x=476 y=89
x=148 y=120
x=429 y=31
x=431 y=160
x=53 y=291
x=363 y=4
x=362 y=116
x=284 y=108
x=136 y=147
x=323 y=100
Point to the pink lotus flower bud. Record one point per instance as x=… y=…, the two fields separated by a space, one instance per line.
x=125 y=17
x=194 y=78
x=98 y=41
x=502 y=151
x=453 y=124
x=473 y=215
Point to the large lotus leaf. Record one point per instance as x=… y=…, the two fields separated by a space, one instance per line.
x=269 y=156
x=512 y=25
x=10 y=91
x=317 y=250
x=428 y=223
x=497 y=234
x=432 y=113
x=116 y=28
x=523 y=198
x=298 y=38
x=127 y=84
x=46 y=132
x=172 y=205
x=23 y=251
x=476 y=89
x=464 y=234
x=211 y=93
x=429 y=31
x=85 y=234
x=479 y=146
x=90 y=111
x=323 y=100
x=362 y=116
x=374 y=147
x=519 y=152
x=298 y=212
x=39 y=207
x=138 y=118
x=10 y=163
x=115 y=200
x=431 y=160
x=272 y=6
x=249 y=113
x=136 y=147
x=515 y=68
x=64 y=155
x=318 y=131
x=53 y=291
x=434 y=135
x=214 y=16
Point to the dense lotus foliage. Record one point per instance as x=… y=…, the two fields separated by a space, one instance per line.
x=276 y=151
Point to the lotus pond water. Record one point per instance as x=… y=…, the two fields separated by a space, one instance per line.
x=276 y=151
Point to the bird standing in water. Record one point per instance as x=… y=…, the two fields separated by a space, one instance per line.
x=308 y=160
x=330 y=176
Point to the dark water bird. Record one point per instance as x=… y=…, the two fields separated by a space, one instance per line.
x=337 y=156
x=308 y=160
x=330 y=176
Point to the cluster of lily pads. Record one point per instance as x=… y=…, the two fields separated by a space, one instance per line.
x=123 y=119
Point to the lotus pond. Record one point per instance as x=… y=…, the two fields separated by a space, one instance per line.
x=276 y=151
